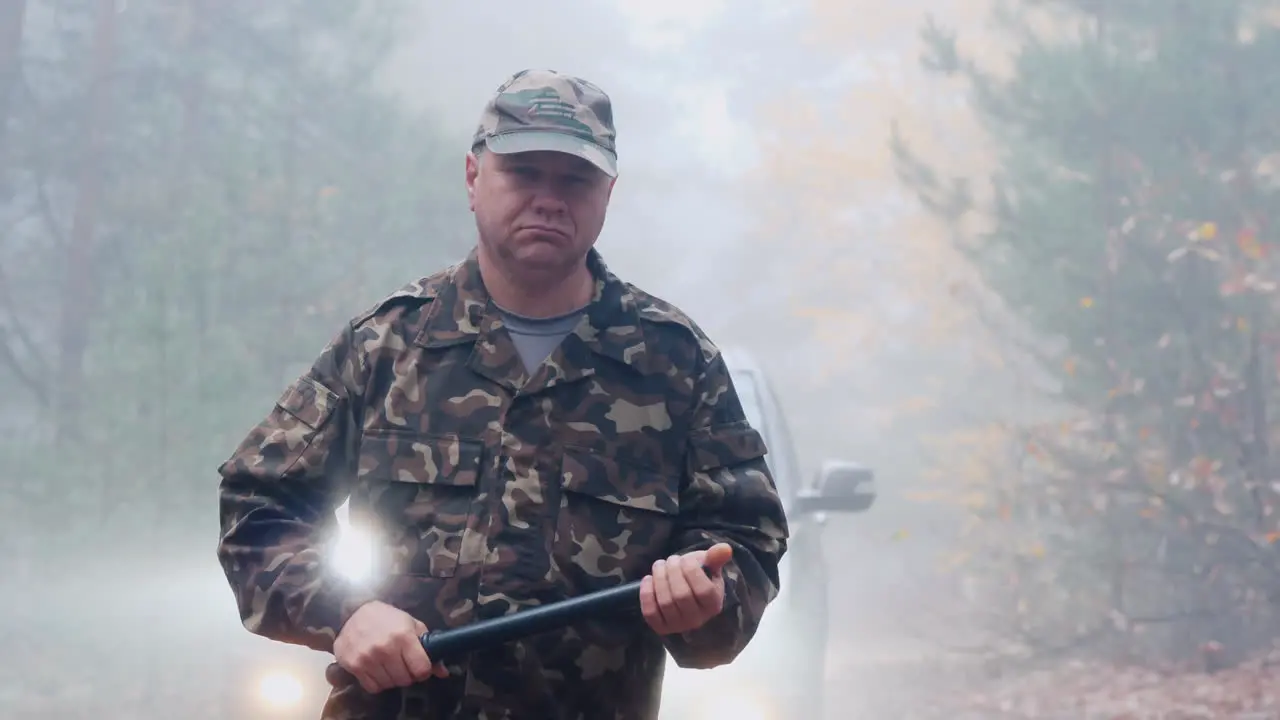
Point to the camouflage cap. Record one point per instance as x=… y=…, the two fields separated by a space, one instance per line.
x=547 y=110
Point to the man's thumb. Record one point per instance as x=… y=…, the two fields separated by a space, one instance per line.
x=717 y=556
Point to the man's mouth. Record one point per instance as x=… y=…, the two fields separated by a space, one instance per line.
x=543 y=230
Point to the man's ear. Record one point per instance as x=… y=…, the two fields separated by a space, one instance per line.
x=473 y=173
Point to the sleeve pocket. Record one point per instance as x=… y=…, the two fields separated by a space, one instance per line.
x=291 y=441
x=308 y=401
x=725 y=446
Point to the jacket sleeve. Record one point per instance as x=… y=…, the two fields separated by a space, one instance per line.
x=278 y=494
x=728 y=495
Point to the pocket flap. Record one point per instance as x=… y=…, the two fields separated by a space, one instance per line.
x=606 y=479
x=421 y=459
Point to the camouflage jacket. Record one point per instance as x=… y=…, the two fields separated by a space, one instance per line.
x=494 y=491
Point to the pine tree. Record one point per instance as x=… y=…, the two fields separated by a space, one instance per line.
x=1131 y=231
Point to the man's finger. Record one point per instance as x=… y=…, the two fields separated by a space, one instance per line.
x=378 y=677
x=648 y=602
x=662 y=591
x=398 y=670
x=434 y=669
x=718 y=556
x=649 y=606
x=416 y=660
x=678 y=571
x=367 y=682
x=706 y=592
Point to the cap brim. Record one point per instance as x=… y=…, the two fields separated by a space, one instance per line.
x=533 y=141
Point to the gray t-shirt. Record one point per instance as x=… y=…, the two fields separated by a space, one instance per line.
x=536 y=338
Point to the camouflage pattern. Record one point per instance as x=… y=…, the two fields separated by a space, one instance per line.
x=547 y=110
x=492 y=490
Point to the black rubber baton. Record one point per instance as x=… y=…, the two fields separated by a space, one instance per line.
x=445 y=646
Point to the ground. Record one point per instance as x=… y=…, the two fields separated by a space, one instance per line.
x=860 y=690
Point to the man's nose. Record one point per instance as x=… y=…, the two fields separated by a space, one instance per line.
x=548 y=201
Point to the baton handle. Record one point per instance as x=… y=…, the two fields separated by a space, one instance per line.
x=450 y=644
x=443 y=646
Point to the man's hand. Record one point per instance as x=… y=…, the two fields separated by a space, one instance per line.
x=380 y=646
x=678 y=596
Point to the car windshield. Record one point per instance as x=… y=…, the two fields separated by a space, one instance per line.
x=773 y=426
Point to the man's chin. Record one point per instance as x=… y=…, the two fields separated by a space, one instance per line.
x=545 y=259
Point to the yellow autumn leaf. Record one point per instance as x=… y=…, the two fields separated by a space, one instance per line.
x=1086 y=302
x=1207 y=231
x=1036 y=551
x=899 y=535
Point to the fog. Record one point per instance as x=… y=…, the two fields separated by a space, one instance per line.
x=1017 y=259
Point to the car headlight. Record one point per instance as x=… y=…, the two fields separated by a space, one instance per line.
x=280 y=690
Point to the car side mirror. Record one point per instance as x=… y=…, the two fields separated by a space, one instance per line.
x=842 y=487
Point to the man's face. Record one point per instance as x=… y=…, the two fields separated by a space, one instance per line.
x=538 y=213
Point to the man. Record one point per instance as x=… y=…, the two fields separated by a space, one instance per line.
x=518 y=429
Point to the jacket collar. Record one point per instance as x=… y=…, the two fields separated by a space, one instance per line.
x=463 y=312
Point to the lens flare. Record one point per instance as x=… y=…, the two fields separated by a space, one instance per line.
x=353 y=555
x=280 y=690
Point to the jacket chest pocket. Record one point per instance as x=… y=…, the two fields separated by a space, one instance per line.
x=615 y=520
x=422 y=490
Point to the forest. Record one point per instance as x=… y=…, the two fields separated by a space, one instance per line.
x=1032 y=243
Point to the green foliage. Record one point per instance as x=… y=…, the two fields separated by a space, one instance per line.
x=1133 y=221
x=257 y=191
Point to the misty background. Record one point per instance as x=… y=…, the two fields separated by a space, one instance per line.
x=1016 y=256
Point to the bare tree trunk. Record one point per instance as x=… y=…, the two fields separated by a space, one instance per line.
x=80 y=289
x=170 y=515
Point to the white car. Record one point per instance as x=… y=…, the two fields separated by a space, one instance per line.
x=781 y=673
x=779 y=676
